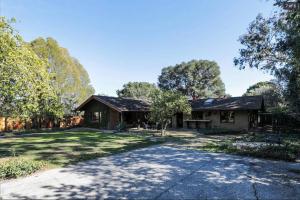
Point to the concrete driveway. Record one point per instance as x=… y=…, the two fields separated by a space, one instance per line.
x=163 y=172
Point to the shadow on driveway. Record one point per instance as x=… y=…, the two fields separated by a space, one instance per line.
x=162 y=172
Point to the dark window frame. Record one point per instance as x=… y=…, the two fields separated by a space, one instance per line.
x=197 y=115
x=227 y=114
x=95 y=116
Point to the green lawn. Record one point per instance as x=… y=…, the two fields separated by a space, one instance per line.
x=62 y=148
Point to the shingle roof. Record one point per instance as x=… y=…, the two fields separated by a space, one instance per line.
x=119 y=104
x=231 y=103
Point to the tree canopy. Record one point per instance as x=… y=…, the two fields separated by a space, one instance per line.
x=165 y=104
x=69 y=77
x=270 y=91
x=26 y=89
x=137 y=90
x=273 y=44
x=196 y=79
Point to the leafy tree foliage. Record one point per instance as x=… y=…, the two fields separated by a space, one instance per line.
x=196 y=78
x=271 y=92
x=165 y=104
x=69 y=77
x=138 y=90
x=25 y=89
x=273 y=45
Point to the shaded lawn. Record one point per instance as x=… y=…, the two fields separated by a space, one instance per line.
x=62 y=148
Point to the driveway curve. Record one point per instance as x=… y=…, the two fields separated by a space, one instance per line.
x=163 y=172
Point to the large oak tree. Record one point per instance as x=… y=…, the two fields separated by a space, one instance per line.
x=137 y=90
x=196 y=79
x=272 y=93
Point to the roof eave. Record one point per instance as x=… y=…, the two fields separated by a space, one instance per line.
x=93 y=97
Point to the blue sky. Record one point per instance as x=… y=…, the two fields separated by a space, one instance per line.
x=132 y=40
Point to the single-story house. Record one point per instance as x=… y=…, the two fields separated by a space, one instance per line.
x=236 y=113
x=107 y=112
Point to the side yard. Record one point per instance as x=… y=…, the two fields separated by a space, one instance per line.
x=21 y=156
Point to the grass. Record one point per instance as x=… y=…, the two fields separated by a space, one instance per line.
x=62 y=148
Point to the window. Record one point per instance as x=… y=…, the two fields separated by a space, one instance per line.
x=208 y=114
x=208 y=101
x=227 y=117
x=95 y=116
x=197 y=115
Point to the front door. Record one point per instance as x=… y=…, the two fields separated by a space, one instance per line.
x=179 y=120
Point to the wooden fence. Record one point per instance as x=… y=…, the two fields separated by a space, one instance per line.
x=15 y=124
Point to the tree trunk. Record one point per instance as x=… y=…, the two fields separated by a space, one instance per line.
x=163 y=128
x=5 y=124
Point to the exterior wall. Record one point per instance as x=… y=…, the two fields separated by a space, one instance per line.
x=108 y=119
x=240 y=122
x=114 y=119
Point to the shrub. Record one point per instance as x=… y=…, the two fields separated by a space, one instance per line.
x=286 y=153
x=121 y=126
x=15 y=167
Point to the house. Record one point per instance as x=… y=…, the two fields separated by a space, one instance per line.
x=236 y=113
x=107 y=112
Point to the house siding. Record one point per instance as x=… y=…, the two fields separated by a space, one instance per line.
x=109 y=117
x=114 y=119
x=240 y=122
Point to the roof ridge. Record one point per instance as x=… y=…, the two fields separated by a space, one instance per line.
x=226 y=97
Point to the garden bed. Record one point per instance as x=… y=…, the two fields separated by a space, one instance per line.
x=254 y=145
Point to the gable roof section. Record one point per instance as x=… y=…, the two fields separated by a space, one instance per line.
x=231 y=103
x=118 y=103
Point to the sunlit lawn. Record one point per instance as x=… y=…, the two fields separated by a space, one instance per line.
x=61 y=148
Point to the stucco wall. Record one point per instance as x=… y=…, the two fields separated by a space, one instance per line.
x=240 y=123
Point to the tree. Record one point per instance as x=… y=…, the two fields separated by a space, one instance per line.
x=196 y=78
x=273 y=45
x=69 y=77
x=25 y=89
x=137 y=90
x=165 y=104
x=271 y=92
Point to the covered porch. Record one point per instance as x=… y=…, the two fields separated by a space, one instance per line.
x=134 y=119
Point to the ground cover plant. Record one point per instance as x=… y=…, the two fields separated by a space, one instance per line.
x=288 y=150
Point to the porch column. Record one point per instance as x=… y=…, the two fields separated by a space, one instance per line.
x=121 y=117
